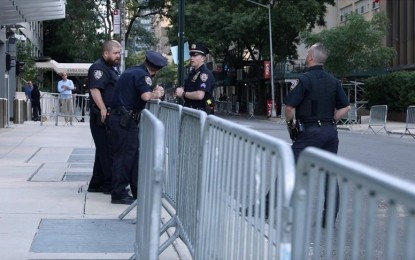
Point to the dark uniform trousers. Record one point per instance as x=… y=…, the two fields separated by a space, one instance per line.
x=102 y=173
x=324 y=137
x=125 y=142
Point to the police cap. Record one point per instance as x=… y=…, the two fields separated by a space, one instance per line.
x=199 y=48
x=156 y=60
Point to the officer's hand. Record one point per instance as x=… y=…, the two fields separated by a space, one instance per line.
x=103 y=115
x=179 y=92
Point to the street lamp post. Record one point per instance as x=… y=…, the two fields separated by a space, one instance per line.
x=273 y=112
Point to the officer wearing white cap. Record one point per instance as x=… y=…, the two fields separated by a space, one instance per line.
x=132 y=91
x=199 y=83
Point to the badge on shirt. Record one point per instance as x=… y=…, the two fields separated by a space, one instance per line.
x=98 y=74
x=204 y=77
x=149 y=81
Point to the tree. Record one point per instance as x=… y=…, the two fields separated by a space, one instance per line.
x=226 y=25
x=355 y=46
x=78 y=37
x=24 y=51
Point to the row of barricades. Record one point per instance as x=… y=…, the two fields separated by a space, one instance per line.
x=237 y=194
x=51 y=107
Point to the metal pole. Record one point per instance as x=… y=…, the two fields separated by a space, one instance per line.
x=271 y=55
x=273 y=112
x=122 y=35
x=181 y=43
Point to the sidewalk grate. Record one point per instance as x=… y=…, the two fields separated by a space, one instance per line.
x=77 y=176
x=84 y=236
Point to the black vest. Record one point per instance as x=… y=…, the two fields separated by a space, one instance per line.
x=320 y=99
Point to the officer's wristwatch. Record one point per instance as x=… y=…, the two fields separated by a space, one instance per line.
x=184 y=94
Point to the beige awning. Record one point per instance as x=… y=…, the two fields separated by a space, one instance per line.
x=18 y=11
x=72 y=69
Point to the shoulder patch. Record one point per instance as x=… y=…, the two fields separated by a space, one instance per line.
x=148 y=80
x=294 y=83
x=98 y=74
x=204 y=77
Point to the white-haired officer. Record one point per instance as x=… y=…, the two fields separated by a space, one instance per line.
x=199 y=83
x=133 y=90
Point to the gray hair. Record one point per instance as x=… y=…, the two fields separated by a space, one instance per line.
x=319 y=52
x=109 y=45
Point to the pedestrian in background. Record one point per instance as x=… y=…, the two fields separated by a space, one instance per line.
x=316 y=102
x=28 y=90
x=36 y=110
x=199 y=84
x=65 y=87
x=102 y=77
x=132 y=92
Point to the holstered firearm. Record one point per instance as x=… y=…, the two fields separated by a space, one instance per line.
x=210 y=106
x=294 y=129
x=127 y=116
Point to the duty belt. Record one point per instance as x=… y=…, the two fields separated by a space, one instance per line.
x=318 y=123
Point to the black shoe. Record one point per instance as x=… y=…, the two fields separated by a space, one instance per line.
x=82 y=120
x=97 y=189
x=127 y=201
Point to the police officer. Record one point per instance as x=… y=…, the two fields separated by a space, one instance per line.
x=132 y=92
x=317 y=101
x=102 y=76
x=199 y=83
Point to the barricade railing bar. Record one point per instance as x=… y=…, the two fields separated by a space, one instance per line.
x=410 y=121
x=153 y=106
x=283 y=119
x=151 y=170
x=248 y=179
x=377 y=118
x=376 y=217
x=251 y=110
x=188 y=187
x=170 y=115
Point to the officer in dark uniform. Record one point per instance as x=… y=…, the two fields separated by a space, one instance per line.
x=132 y=92
x=102 y=76
x=317 y=101
x=199 y=83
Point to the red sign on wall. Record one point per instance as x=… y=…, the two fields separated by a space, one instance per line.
x=267 y=69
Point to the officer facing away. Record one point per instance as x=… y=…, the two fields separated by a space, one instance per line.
x=317 y=101
x=132 y=92
x=102 y=76
x=199 y=83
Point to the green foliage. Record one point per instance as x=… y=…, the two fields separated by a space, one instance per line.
x=24 y=51
x=397 y=90
x=355 y=46
x=78 y=37
x=226 y=24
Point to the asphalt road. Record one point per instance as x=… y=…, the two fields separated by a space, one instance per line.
x=389 y=153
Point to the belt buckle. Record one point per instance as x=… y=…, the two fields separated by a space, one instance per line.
x=319 y=123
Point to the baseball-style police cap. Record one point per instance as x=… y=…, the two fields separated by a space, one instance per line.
x=156 y=60
x=198 y=48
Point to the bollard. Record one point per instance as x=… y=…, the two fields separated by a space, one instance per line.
x=19 y=111
x=3 y=112
x=28 y=110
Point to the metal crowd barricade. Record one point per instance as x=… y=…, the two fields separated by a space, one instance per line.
x=376 y=218
x=81 y=107
x=351 y=117
x=248 y=180
x=377 y=118
x=170 y=114
x=251 y=110
x=187 y=199
x=410 y=121
x=151 y=168
x=49 y=104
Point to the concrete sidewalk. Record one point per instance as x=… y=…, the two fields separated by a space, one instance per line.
x=45 y=210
